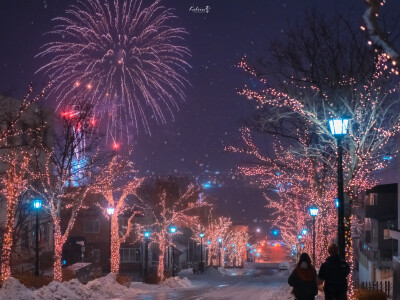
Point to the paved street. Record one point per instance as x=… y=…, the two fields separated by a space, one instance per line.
x=246 y=284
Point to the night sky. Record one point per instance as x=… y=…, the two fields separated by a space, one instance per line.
x=211 y=118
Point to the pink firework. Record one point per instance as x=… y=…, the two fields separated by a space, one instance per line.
x=124 y=58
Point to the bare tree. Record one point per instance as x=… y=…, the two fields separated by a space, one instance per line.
x=61 y=177
x=168 y=203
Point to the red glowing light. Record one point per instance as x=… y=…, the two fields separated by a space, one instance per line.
x=89 y=86
x=77 y=84
x=115 y=146
x=92 y=122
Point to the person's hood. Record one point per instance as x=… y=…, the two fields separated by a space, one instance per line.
x=305 y=272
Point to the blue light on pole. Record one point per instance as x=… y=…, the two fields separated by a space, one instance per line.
x=299 y=236
x=313 y=211
x=209 y=242
x=37 y=203
x=147 y=234
x=219 y=240
x=201 y=234
x=275 y=232
x=172 y=229
x=304 y=232
x=110 y=211
x=233 y=245
x=338 y=127
x=336 y=202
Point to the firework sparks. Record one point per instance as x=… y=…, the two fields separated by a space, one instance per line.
x=124 y=58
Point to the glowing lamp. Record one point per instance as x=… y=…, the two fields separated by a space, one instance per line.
x=299 y=236
x=209 y=242
x=37 y=203
x=336 y=202
x=201 y=234
x=147 y=234
x=219 y=240
x=258 y=230
x=304 y=232
x=313 y=211
x=338 y=127
x=172 y=229
x=258 y=254
x=275 y=232
x=233 y=245
x=110 y=211
x=248 y=245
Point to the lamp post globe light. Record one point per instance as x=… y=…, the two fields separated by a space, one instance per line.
x=110 y=211
x=37 y=205
x=338 y=128
x=201 y=252
x=172 y=230
x=313 y=213
x=304 y=231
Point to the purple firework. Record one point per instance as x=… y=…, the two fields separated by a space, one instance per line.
x=122 y=57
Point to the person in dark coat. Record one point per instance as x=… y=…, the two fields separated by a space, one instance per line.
x=304 y=279
x=334 y=272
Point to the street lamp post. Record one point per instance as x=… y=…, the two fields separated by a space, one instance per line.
x=313 y=212
x=338 y=128
x=37 y=204
x=146 y=253
x=172 y=230
x=110 y=212
x=219 y=252
x=201 y=252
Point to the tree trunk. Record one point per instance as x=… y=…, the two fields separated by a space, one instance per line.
x=115 y=245
x=160 y=269
x=58 y=245
x=8 y=240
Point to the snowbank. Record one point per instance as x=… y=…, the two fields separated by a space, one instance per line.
x=71 y=290
x=107 y=287
x=177 y=282
x=101 y=288
x=12 y=289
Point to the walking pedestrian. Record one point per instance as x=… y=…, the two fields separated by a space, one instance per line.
x=334 y=272
x=304 y=279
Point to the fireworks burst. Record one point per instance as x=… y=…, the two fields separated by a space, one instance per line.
x=124 y=58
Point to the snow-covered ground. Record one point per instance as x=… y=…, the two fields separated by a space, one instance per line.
x=248 y=284
x=101 y=288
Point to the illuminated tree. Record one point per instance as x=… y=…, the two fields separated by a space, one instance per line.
x=116 y=182
x=61 y=177
x=380 y=37
x=293 y=181
x=236 y=245
x=168 y=206
x=312 y=84
x=12 y=115
x=20 y=132
x=214 y=229
x=15 y=184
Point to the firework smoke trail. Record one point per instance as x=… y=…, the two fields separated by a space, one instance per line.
x=122 y=57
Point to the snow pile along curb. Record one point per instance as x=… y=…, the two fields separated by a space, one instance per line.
x=176 y=282
x=12 y=289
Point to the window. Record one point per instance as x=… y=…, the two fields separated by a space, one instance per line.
x=95 y=255
x=92 y=226
x=130 y=255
